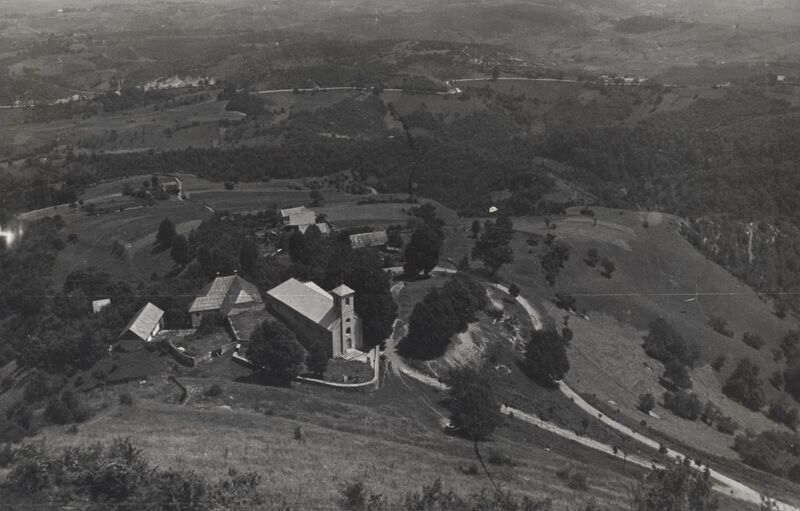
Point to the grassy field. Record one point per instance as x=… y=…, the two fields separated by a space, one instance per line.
x=390 y=440
x=134 y=228
x=657 y=272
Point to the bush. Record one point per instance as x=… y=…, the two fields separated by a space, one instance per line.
x=727 y=425
x=443 y=313
x=592 y=257
x=782 y=413
x=213 y=391
x=546 y=358
x=744 y=385
x=474 y=411
x=575 y=479
x=720 y=326
x=229 y=185
x=683 y=404
x=646 y=402
x=125 y=398
x=675 y=487
x=718 y=363
x=772 y=451
x=57 y=411
x=663 y=343
x=677 y=373
x=513 y=290
x=753 y=340
x=498 y=458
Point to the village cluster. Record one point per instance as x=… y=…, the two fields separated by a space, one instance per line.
x=312 y=313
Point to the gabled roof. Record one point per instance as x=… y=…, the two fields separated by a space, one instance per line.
x=368 y=239
x=323 y=227
x=223 y=293
x=308 y=299
x=298 y=216
x=144 y=322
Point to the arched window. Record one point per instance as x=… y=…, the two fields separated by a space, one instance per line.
x=347 y=320
x=349 y=343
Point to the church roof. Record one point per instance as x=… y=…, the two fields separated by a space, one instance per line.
x=308 y=299
x=223 y=293
x=145 y=321
x=342 y=290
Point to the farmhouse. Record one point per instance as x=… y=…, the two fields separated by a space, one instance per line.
x=301 y=218
x=295 y=217
x=316 y=315
x=145 y=324
x=225 y=295
x=368 y=239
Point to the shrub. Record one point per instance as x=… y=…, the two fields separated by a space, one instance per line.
x=545 y=359
x=720 y=326
x=663 y=343
x=753 y=340
x=498 y=458
x=592 y=257
x=683 y=404
x=608 y=267
x=474 y=411
x=726 y=425
x=229 y=185
x=125 y=398
x=677 y=373
x=782 y=413
x=57 y=411
x=565 y=301
x=6 y=455
x=718 y=363
x=213 y=391
x=646 y=402
x=513 y=290
x=470 y=470
x=772 y=451
x=575 y=479
x=675 y=487
x=744 y=385
x=776 y=379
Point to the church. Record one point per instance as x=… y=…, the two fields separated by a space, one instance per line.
x=316 y=315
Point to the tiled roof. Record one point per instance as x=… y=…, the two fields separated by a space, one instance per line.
x=323 y=227
x=306 y=298
x=145 y=321
x=224 y=293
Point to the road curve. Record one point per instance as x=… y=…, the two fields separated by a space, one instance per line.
x=725 y=484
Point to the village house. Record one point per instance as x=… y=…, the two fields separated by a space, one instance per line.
x=368 y=239
x=301 y=218
x=225 y=295
x=316 y=315
x=145 y=324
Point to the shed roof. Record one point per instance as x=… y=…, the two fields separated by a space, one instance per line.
x=144 y=322
x=98 y=305
x=368 y=239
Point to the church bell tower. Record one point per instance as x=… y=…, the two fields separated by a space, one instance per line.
x=345 y=306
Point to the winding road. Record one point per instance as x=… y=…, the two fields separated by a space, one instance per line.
x=724 y=484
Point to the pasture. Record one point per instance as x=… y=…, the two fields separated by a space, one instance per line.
x=658 y=274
